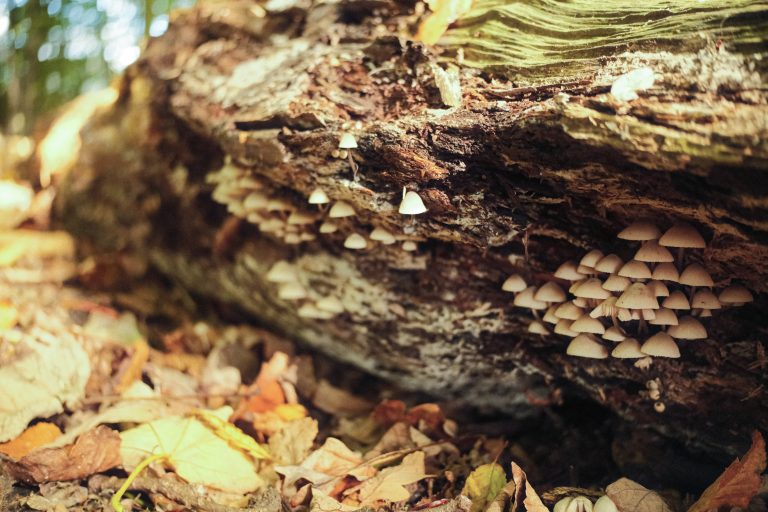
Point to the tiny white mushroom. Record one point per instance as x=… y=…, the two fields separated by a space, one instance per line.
x=347 y=141
x=291 y=291
x=328 y=227
x=383 y=236
x=355 y=241
x=409 y=246
x=282 y=272
x=341 y=209
x=318 y=196
x=411 y=203
x=330 y=304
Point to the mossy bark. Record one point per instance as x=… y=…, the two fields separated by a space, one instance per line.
x=532 y=169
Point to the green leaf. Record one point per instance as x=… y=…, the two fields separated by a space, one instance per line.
x=483 y=485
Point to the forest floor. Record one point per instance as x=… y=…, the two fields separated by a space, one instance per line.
x=126 y=394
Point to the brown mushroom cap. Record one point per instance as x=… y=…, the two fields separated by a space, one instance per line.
x=591 y=258
x=635 y=270
x=514 y=283
x=688 y=328
x=568 y=271
x=640 y=231
x=550 y=292
x=563 y=327
x=609 y=264
x=637 y=296
x=616 y=283
x=586 y=323
x=525 y=299
x=683 y=235
x=585 y=345
x=666 y=272
x=696 y=275
x=613 y=333
x=735 y=294
x=659 y=289
x=568 y=311
x=629 y=348
x=676 y=300
x=605 y=308
x=341 y=209
x=549 y=316
x=652 y=252
x=591 y=289
x=537 y=327
x=661 y=345
x=704 y=299
x=664 y=316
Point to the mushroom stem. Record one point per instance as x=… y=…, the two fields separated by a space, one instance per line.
x=615 y=320
x=643 y=327
x=680 y=256
x=352 y=165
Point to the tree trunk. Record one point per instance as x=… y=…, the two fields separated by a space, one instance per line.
x=537 y=165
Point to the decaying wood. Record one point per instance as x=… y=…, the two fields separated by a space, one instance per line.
x=525 y=174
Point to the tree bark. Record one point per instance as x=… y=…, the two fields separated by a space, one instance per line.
x=537 y=165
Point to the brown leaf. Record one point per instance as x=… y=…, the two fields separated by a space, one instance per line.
x=526 y=499
x=389 y=484
x=630 y=496
x=95 y=451
x=738 y=483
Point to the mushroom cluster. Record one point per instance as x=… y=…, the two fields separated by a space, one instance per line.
x=642 y=305
x=286 y=277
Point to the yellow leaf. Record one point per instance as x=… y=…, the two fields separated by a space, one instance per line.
x=389 y=484
x=232 y=434
x=194 y=452
x=483 y=484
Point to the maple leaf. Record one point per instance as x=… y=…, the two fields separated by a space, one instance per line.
x=483 y=485
x=738 y=483
x=389 y=484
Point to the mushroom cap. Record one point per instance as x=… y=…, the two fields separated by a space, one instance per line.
x=652 y=252
x=271 y=225
x=704 y=299
x=640 y=231
x=569 y=272
x=666 y=272
x=525 y=299
x=347 y=141
x=562 y=505
x=676 y=300
x=300 y=218
x=585 y=345
x=624 y=315
x=696 y=275
x=613 y=333
x=537 y=327
x=661 y=345
x=637 y=296
x=564 y=327
x=735 y=294
x=328 y=227
x=605 y=308
x=579 y=504
x=383 y=236
x=330 y=304
x=609 y=264
x=658 y=288
x=682 y=235
x=568 y=311
x=586 y=323
x=550 y=292
x=549 y=316
x=664 y=316
x=705 y=313
x=688 y=328
x=635 y=270
x=318 y=196
x=648 y=314
x=409 y=246
x=581 y=302
x=312 y=311
x=292 y=238
x=279 y=205
x=604 y=503
x=282 y=272
x=616 y=283
x=291 y=291
x=355 y=241
x=629 y=348
x=591 y=289
x=412 y=204
x=341 y=209
x=514 y=283
x=591 y=258
x=255 y=201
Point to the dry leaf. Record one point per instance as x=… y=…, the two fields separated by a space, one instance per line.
x=9 y=315
x=337 y=401
x=330 y=461
x=483 y=485
x=34 y=437
x=630 y=496
x=738 y=483
x=131 y=370
x=95 y=451
x=503 y=498
x=389 y=484
x=321 y=502
x=444 y=12
x=104 y=324
x=292 y=443
x=526 y=498
x=194 y=452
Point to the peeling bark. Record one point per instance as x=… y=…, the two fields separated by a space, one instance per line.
x=518 y=179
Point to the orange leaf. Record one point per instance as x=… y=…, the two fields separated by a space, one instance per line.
x=35 y=436
x=738 y=483
x=135 y=366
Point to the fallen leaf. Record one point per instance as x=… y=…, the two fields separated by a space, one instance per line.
x=104 y=325
x=321 y=502
x=17 y=243
x=131 y=370
x=193 y=451
x=738 y=483
x=331 y=461
x=35 y=436
x=337 y=401
x=503 y=498
x=291 y=444
x=444 y=12
x=526 y=498
x=630 y=496
x=389 y=484
x=483 y=485
x=95 y=451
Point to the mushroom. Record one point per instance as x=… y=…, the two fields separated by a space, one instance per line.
x=640 y=231
x=666 y=272
x=568 y=271
x=616 y=283
x=311 y=311
x=704 y=299
x=330 y=304
x=696 y=275
x=536 y=327
x=514 y=283
x=328 y=227
x=688 y=328
x=383 y=236
x=318 y=196
x=604 y=504
x=563 y=327
x=299 y=218
x=568 y=311
x=609 y=264
x=605 y=308
x=341 y=209
x=614 y=333
x=664 y=316
x=635 y=270
x=735 y=295
x=579 y=504
x=355 y=241
x=586 y=323
x=525 y=299
x=659 y=407
x=550 y=292
x=661 y=344
x=282 y=272
x=255 y=201
x=348 y=142
x=272 y=225
x=590 y=259
x=562 y=504
x=683 y=236
x=291 y=291
x=585 y=345
x=652 y=252
x=409 y=246
x=676 y=300
x=279 y=205
x=629 y=348
x=637 y=296
x=549 y=316
x=590 y=289
x=411 y=203
x=658 y=288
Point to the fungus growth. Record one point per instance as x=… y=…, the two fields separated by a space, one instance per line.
x=644 y=305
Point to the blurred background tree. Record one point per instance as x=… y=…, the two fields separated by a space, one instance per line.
x=53 y=50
